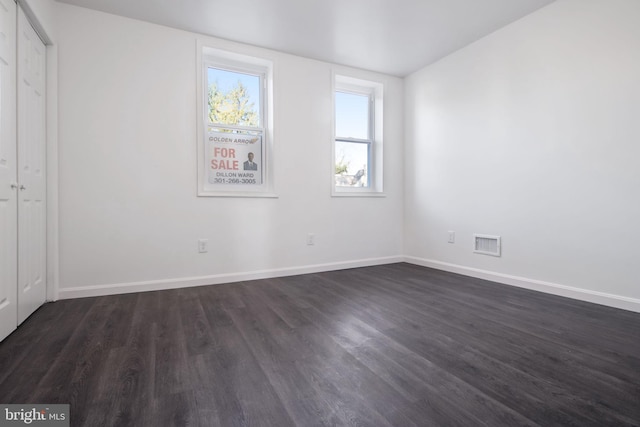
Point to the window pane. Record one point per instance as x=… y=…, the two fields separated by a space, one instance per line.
x=352 y=164
x=352 y=115
x=234 y=98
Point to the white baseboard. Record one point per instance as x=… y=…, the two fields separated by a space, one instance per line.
x=186 y=282
x=610 y=300
x=602 y=298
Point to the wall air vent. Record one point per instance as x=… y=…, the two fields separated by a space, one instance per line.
x=488 y=245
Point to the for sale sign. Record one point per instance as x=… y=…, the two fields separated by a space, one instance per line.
x=234 y=159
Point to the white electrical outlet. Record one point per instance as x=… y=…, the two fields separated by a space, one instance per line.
x=203 y=245
x=311 y=239
x=452 y=236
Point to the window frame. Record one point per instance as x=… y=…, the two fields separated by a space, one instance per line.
x=374 y=92
x=209 y=57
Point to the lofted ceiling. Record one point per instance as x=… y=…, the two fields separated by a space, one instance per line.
x=394 y=37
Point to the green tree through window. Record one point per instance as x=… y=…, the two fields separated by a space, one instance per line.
x=232 y=107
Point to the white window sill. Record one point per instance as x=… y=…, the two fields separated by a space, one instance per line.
x=238 y=194
x=357 y=194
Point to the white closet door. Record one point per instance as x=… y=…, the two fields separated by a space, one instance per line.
x=31 y=174
x=8 y=187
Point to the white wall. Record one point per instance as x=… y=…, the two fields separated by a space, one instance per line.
x=533 y=134
x=129 y=215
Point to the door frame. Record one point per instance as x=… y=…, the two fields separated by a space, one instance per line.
x=51 y=151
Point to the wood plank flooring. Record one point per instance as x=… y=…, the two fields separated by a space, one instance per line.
x=394 y=345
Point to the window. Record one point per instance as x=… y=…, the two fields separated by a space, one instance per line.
x=358 y=137
x=235 y=138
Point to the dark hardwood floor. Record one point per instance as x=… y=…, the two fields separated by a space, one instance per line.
x=395 y=345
